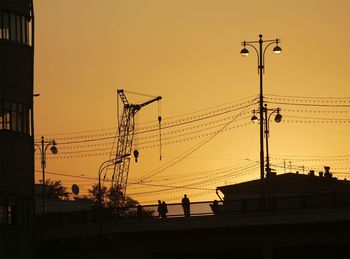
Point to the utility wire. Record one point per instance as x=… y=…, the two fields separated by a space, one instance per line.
x=151 y=130
x=190 y=151
x=312 y=105
x=192 y=114
x=307 y=97
x=267 y=96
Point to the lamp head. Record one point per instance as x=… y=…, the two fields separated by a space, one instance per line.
x=254 y=119
x=54 y=149
x=278 y=118
x=277 y=49
x=244 y=52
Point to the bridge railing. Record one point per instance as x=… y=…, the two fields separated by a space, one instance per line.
x=206 y=208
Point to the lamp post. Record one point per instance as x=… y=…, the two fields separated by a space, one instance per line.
x=103 y=166
x=278 y=119
x=44 y=144
x=261 y=67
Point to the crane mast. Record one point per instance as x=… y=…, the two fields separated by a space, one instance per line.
x=124 y=142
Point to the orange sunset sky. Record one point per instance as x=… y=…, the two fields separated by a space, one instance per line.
x=188 y=52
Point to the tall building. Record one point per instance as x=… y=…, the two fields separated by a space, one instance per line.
x=16 y=127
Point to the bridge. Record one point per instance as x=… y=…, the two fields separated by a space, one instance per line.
x=254 y=229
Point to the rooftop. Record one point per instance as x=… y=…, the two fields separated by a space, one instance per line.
x=287 y=184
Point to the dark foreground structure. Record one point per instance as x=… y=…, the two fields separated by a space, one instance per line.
x=16 y=130
x=311 y=219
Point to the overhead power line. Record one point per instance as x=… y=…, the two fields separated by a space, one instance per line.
x=166 y=121
x=189 y=151
x=314 y=105
x=288 y=100
x=307 y=97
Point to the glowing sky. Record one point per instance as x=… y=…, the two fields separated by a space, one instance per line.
x=187 y=51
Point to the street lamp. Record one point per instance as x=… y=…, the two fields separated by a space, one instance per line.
x=103 y=166
x=261 y=66
x=43 y=148
x=278 y=119
x=254 y=118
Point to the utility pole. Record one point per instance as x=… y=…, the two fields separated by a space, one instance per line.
x=261 y=67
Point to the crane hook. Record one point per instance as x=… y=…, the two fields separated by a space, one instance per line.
x=136 y=154
x=160 y=137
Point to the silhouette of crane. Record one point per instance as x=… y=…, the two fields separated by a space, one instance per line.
x=125 y=137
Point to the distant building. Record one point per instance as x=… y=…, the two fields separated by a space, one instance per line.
x=286 y=191
x=16 y=128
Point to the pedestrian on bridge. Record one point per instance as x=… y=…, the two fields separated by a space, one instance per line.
x=139 y=211
x=186 y=205
x=162 y=209
x=159 y=208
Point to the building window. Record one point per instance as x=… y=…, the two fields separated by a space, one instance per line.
x=14 y=27
x=15 y=117
x=7 y=209
x=3 y=219
x=5 y=26
x=3 y=215
x=1 y=26
x=18 y=28
x=6 y=214
x=9 y=214
x=24 y=30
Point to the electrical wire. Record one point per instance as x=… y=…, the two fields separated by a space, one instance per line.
x=194 y=115
x=188 y=152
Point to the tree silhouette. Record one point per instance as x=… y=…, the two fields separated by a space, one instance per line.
x=115 y=199
x=110 y=197
x=56 y=190
x=94 y=195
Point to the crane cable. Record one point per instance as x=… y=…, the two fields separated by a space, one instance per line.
x=160 y=130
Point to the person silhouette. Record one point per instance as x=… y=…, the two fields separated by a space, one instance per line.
x=186 y=205
x=164 y=210
x=159 y=208
x=139 y=211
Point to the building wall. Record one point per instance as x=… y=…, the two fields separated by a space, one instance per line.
x=16 y=134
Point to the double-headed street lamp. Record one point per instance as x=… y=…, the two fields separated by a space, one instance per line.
x=45 y=144
x=261 y=66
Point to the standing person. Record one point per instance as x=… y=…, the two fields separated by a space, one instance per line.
x=159 y=208
x=139 y=211
x=164 y=210
x=186 y=205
